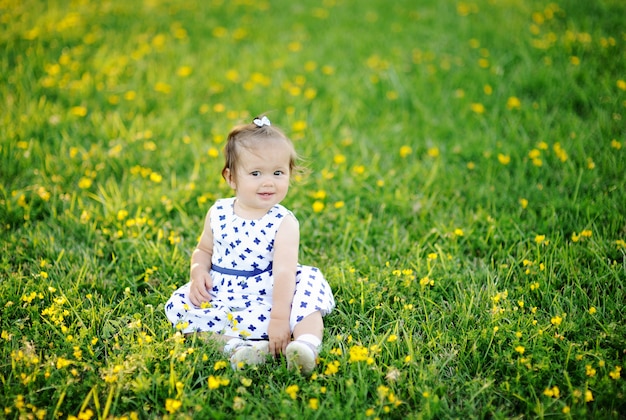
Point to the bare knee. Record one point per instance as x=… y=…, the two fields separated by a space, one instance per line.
x=311 y=324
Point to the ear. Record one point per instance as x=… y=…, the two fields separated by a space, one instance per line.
x=230 y=178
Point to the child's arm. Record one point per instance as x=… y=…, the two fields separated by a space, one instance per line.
x=201 y=281
x=284 y=269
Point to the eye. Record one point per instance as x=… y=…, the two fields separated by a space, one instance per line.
x=278 y=173
x=255 y=173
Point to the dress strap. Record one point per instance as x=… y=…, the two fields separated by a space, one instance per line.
x=240 y=273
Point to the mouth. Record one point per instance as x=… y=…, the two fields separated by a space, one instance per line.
x=265 y=195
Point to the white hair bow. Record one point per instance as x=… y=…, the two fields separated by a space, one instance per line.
x=260 y=122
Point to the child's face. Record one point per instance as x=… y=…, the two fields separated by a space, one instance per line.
x=262 y=177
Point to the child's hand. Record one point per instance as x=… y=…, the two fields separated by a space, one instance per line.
x=199 y=289
x=280 y=335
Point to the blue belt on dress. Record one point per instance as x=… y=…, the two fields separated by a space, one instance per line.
x=241 y=273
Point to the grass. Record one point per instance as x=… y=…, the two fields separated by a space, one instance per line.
x=466 y=203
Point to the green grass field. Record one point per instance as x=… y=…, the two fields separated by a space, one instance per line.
x=465 y=200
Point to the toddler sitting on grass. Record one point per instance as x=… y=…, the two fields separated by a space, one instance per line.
x=247 y=288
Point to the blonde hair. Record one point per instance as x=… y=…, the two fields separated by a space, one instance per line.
x=250 y=136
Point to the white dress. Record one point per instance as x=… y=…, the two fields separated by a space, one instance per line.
x=241 y=270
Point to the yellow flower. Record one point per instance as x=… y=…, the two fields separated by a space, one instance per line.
x=310 y=93
x=182 y=325
x=217 y=381
x=184 y=71
x=592 y=310
x=294 y=46
x=358 y=354
x=504 y=159
x=332 y=368
x=314 y=403
x=553 y=392
x=156 y=177
x=328 y=70
x=392 y=338
x=85 y=183
x=615 y=373
x=392 y=95
x=319 y=195
x=78 y=111
x=358 y=169
x=162 y=87
x=62 y=362
x=616 y=144
x=292 y=391
x=336 y=351
x=513 y=103
x=590 y=371
x=433 y=152
x=122 y=214
x=523 y=202
x=339 y=159
x=556 y=321
x=540 y=239
x=520 y=349
x=478 y=108
x=458 y=232
x=213 y=152
x=318 y=206
x=299 y=125
x=560 y=152
x=383 y=391
x=221 y=364
x=588 y=396
x=172 y=405
x=405 y=151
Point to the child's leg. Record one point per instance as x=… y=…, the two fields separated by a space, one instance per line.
x=302 y=351
x=312 y=324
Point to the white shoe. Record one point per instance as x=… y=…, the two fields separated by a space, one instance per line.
x=301 y=356
x=249 y=353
